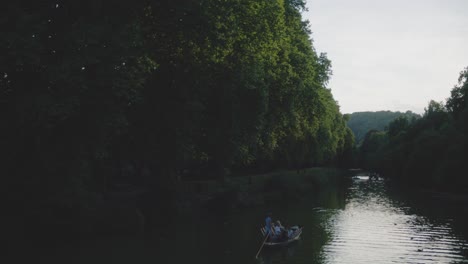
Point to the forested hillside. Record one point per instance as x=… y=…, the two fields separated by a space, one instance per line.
x=362 y=122
x=96 y=95
x=428 y=152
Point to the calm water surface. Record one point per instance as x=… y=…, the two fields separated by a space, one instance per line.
x=357 y=221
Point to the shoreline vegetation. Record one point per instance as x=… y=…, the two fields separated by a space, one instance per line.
x=426 y=152
x=134 y=212
x=261 y=189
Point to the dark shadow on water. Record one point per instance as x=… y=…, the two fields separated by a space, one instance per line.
x=278 y=254
x=350 y=221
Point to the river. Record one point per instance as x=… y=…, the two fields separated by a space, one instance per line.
x=358 y=221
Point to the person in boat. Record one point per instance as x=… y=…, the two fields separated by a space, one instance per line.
x=278 y=223
x=281 y=234
x=268 y=225
x=278 y=230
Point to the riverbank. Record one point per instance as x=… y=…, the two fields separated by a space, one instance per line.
x=257 y=189
x=132 y=211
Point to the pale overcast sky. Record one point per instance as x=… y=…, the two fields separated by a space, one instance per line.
x=391 y=55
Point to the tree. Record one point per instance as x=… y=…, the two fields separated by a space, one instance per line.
x=426 y=152
x=457 y=101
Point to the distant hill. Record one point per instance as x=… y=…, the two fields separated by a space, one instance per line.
x=361 y=122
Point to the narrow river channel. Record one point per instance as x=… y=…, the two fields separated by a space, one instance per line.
x=359 y=221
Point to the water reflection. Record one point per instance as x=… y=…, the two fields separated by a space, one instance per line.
x=372 y=228
x=278 y=255
x=352 y=221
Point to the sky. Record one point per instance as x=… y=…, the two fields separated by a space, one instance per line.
x=391 y=55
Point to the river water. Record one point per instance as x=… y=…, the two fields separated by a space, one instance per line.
x=357 y=221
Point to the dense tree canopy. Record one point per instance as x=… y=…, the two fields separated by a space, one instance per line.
x=363 y=122
x=98 y=93
x=430 y=151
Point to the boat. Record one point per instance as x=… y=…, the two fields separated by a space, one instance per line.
x=294 y=235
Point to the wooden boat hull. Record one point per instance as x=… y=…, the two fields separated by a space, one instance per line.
x=294 y=237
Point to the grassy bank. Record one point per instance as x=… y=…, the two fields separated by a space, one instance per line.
x=257 y=189
x=136 y=212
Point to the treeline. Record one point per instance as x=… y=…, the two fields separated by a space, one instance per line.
x=428 y=152
x=362 y=122
x=95 y=94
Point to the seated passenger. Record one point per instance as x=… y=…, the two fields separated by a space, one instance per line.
x=280 y=232
x=279 y=224
x=277 y=230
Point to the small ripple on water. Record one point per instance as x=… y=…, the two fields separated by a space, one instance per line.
x=372 y=229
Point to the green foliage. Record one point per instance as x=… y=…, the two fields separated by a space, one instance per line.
x=67 y=90
x=397 y=127
x=362 y=122
x=457 y=103
x=103 y=93
x=430 y=151
x=370 y=149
